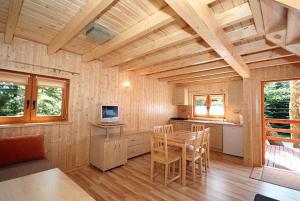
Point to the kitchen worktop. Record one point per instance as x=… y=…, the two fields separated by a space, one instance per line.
x=209 y=122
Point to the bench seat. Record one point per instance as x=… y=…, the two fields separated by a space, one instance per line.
x=24 y=168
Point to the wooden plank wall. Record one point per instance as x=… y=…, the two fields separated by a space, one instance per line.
x=254 y=134
x=146 y=103
x=233 y=96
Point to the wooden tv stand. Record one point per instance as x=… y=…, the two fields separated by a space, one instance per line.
x=109 y=125
x=107 y=149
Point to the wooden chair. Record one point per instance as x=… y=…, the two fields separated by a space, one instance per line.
x=195 y=153
x=197 y=127
x=161 y=154
x=158 y=129
x=168 y=128
x=206 y=148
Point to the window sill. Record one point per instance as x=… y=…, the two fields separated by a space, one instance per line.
x=208 y=118
x=22 y=125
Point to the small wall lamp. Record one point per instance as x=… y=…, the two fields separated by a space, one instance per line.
x=126 y=84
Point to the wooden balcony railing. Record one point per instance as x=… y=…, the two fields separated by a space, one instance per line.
x=280 y=130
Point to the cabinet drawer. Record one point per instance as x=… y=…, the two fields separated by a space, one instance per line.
x=135 y=150
x=135 y=139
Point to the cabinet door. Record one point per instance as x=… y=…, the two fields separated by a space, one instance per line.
x=216 y=138
x=175 y=125
x=180 y=96
x=110 y=152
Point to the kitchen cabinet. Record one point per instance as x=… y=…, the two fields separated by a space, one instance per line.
x=216 y=137
x=180 y=96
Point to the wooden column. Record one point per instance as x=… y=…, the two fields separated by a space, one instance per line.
x=247 y=126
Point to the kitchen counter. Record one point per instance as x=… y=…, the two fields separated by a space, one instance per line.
x=209 y=122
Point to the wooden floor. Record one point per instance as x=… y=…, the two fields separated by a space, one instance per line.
x=226 y=179
x=283 y=157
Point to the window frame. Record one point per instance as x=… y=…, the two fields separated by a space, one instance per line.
x=30 y=102
x=208 y=105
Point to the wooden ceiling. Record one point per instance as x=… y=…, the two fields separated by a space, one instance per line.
x=183 y=42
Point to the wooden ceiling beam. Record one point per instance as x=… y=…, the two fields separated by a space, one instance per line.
x=151 y=23
x=199 y=74
x=275 y=62
x=279 y=38
x=181 y=63
x=257 y=16
x=209 y=77
x=228 y=18
x=167 y=54
x=200 y=18
x=167 y=41
x=14 y=11
x=87 y=14
x=196 y=48
x=235 y=15
x=247 y=49
x=243 y=33
x=280 y=25
x=293 y=28
x=219 y=80
x=292 y=4
x=267 y=55
x=274 y=16
x=168 y=71
x=255 y=46
x=191 y=69
x=250 y=58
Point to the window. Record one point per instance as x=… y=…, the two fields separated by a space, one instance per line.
x=31 y=98
x=209 y=106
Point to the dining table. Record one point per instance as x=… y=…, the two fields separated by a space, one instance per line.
x=43 y=186
x=181 y=139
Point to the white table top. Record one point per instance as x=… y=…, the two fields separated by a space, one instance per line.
x=48 y=185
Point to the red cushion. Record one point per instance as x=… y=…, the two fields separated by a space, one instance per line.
x=22 y=148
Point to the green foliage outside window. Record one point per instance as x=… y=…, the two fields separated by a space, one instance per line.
x=277 y=103
x=49 y=101
x=12 y=98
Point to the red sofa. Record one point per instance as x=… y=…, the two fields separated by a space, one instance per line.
x=21 y=156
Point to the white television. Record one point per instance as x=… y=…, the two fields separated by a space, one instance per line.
x=109 y=113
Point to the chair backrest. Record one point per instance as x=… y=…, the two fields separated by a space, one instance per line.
x=198 y=141
x=197 y=127
x=158 y=129
x=159 y=144
x=168 y=128
x=206 y=137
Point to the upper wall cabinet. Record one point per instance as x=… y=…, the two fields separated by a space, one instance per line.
x=180 y=96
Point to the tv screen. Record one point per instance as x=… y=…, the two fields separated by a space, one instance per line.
x=109 y=111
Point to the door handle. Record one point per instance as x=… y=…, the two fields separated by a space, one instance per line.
x=33 y=104
x=27 y=104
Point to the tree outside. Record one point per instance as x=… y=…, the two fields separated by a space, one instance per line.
x=282 y=101
x=294 y=111
x=12 y=99
x=49 y=101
